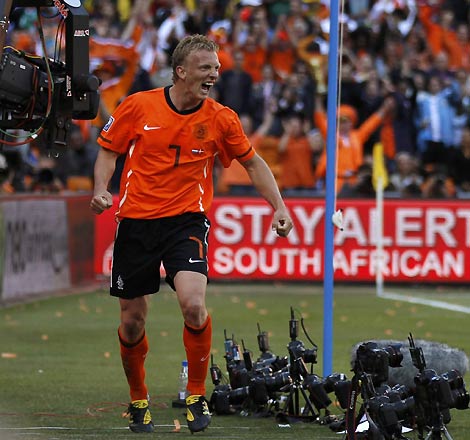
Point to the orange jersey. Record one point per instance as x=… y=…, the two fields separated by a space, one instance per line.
x=170 y=154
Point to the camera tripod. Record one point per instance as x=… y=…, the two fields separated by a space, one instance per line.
x=435 y=433
x=292 y=404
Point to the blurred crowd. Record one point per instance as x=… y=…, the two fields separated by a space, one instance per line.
x=404 y=83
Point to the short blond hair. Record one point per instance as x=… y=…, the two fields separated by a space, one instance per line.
x=191 y=43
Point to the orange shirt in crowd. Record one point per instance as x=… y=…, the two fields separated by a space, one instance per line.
x=267 y=148
x=297 y=165
x=112 y=91
x=349 y=153
x=254 y=61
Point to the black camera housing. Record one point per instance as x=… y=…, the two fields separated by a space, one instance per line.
x=375 y=360
x=26 y=81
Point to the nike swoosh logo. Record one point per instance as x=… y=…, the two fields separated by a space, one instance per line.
x=189 y=415
x=204 y=358
x=196 y=261
x=147 y=128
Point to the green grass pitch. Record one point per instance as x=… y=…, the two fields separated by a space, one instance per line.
x=61 y=377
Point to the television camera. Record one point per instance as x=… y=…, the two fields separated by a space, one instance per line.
x=435 y=395
x=251 y=383
x=42 y=94
x=274 y=384
x=425 y=406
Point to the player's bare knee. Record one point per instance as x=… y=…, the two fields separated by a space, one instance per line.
x=132 y=326
x=194 y=314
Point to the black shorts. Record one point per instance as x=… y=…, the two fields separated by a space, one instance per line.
x=141 y=246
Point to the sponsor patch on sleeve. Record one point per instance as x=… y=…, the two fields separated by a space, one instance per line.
x=108 y=124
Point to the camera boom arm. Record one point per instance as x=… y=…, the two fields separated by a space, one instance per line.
x=5 y=7
x=75 y=89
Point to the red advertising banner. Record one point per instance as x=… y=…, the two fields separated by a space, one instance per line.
x=81 y=231
x=424 y=241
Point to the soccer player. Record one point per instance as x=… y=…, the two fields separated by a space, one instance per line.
x=171 y=137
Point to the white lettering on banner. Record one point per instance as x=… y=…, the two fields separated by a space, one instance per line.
x=247 y=260
x=308 y=262
x=231 y=230
x=308 y=222
x=257 y=213
x=373 y=230
x=465 y=214
x=352 y=228
x=440 y=222
x=414 y=227
x=410 y=263
x=404 y=225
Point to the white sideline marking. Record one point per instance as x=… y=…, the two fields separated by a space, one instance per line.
x=31 y=428
x=425 y=302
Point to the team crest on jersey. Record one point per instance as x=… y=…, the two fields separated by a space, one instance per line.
x=108 y=124
x=200 y=131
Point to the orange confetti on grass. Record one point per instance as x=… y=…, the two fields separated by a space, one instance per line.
x=420 y=324
x=263 y=312
x=177 y=425
x=428 y=335
x=235 y=299
x=44 y=337
x=9 y=356
x=107 y=354
x=344 y=318
x=84 y=307
x=388 y=332
x=59 y=314
x=164 y=333
x=390 y=312
x=250 y=305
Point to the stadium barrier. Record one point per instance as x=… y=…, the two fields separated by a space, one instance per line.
x=424 y=241
x=46 y=244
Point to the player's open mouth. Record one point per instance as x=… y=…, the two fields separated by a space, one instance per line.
x=206 y=86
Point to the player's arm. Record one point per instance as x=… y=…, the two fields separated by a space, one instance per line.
x=264 y=182
x=104 y=168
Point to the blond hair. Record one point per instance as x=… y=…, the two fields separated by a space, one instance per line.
x=191 y=43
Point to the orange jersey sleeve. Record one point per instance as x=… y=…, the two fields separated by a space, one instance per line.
x=170 y=154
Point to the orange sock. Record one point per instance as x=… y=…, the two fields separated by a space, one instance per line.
x=197 y=342
x=133 y=358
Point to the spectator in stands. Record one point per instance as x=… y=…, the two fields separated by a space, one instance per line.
x=459 y=167
x=351 y=138
x=406 y=179
x=405 y=42
x=282 y=53
x=263 y=94
x=438 y=185
x=76 y=162
x=296 y=151
x=434 y=116
x=253 y=42
x=5 y=186
x=362 y=187
x=234 y=180
x=234 y=86
x=45 y=177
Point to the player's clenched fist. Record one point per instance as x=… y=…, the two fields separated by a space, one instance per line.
x=101 y=202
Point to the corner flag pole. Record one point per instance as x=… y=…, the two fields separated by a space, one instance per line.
x=330 y=182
